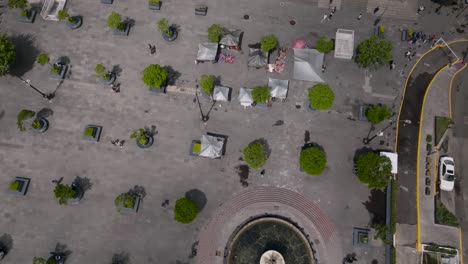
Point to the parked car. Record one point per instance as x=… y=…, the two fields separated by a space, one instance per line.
x=447 y=173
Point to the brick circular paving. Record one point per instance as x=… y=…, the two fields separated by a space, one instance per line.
x=256 y=201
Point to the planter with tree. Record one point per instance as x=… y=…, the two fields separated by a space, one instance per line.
x=207 y=84
x=261 y=95
x=255 y=154
x=105 y=77
x=169 y=32
x=185 y=210
x=127 y=203
x=19 y=186
x=114 y=21
x=73 y=22
x=269 y=42
x=374 y=52
x=144 y=139
x=378 y=113
x=201 y=10
x=27 y=15
x=215 y=33
x=25 y=120
x=312 y=160
x=154 y=4
x=7 y=54
x=373 y=169
x=323 y=45
x=65 y=193
x=321 y=97
x=155 y=77
x=54 y=258
x=92 y=133
x=57 y=70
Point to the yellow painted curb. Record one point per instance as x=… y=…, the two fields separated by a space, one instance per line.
x=450 y=89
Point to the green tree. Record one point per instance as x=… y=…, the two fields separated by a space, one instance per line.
x=185 y=210
x=268 y=42
x=140 y=136
x=261 y=94
x=43 y=59
x=321 y=97
x=373 y=169
x=378 y=113
x=374 y=52
x=63 y=192
x=312 y=160
x=163 y=26
x=21 y=4
x=215 y=33
x=62 y=14
x=323 y=45
x=207 y=83
x=126 y=200
x=22 y=116
x=114 y=20
x=255 y=155
x=7 y=54
x=381 y=232
x=154 y=75
x=101 y=71
x=37 y=260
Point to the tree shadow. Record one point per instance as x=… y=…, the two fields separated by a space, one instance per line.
x=217 y=81
x=121 y=258
x=64 y=60
x=265 y=144
x=138 y=190
x=361 y=151
x=198 y=197
x=243 y=172
x=62 y=249
x=83 y=183
x=116 y=70
x=172 y=75
x=6 y=243
x=313 y=145
x=45 y=113
x=26 y=54
x=376 y=206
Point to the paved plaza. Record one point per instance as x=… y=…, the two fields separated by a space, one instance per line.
x=93 y=230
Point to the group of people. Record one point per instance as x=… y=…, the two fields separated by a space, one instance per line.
x=118 y=142
x=330 y=15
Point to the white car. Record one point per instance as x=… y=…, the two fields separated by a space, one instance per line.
x=447 y=173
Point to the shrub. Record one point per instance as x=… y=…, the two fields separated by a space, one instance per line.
x=43 y=58
x=114 y=20
x=25 y=13
x=24 y=115
x=55 y=69
x=21 y=4
x=378 y=113
x=196 y=148
x=37 y=260
x=185 y=210
x=215 y=33
x=154 y=75
x=261 y=94
x=163 y=26
x=72 y=19
x=207 y=83
x=374 y=52
x=255 y=155
x=154 y=2
x=89 y=131
x=312 y=160
x=373 y=169
x=126 y=200
x=429 y=138
x=323 y=45
x=443 y=216
x=63 y=192
x=381 y=233
x=100 y=70
x=140 y=136
x=321 y=97
x=268 y=42
x=36 y=124
x=14 y=186
x=51 y=261
x=7 y=54
x=62 y=14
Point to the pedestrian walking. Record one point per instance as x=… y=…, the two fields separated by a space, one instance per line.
x=324 y=18
x=152 y=49
x=323 y=67
x=122 y=142
x=392 y=65
x=333 y=10
x=421 y=8
x=359 y=17
x=115 y=142
x=376 y=10
x=407 y=54
x=330 y=16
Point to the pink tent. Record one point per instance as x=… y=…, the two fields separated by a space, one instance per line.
x=299 y=44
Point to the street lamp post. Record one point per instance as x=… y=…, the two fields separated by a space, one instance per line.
x=367 y=140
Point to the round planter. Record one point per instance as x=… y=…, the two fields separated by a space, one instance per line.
x=172 y=37
x=148 y=144
x=109 y=81
x=44 y=126
x=77 y=24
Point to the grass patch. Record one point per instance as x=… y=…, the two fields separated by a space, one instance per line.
x=443 y=216
x=441 y=124
x=196 y=148
x=89 y=132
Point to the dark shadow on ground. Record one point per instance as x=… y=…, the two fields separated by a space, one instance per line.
x=83 y=182
x=172 y=75
x=45 y=113
x=243 y=172
x=376 y=206
x=198 y=197
x=121 y=258
x=6 y=243
x=116 y=70
x=61 y=249
x=138 y=190
x=26 y=53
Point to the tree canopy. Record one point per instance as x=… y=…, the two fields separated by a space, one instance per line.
x=154 y=75
x=7 y=54
x=261 y=94
x=374 y=52
x=268 y=42
x=185 y=210
x=43 y=58
x=378 y=113
x=23 y=115
x=207 y=83
x=323 y=45
x=312 y=160
x=215 y=33
x=63 y=192
x=114 y=20
x=255 y=155
x=21 y=4
x=373 y=169
x=321 y=97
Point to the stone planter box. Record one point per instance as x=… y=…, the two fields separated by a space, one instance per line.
x=201 y=10
x=44 y=126
x=362 y=112
x=133 y=210
x=154 y=6
x=172 y=37
x=107 y=2
x=78 y=196
x=28 y=19
x=123 y=32
x=110 y=81
x=61 y=73
x=157 y=89
x=23 y=186
x=148 y=144
x=76 y=24
x=358 y=235
x=96 y=134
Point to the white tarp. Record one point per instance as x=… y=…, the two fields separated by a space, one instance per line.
x=308 y=65
x=278 y=88
x=344 y=44
x=245 y=97
x=211 y=147
x=207 y=51
x=393 y=158
x=231 y=39
x=221 y=93
x=257 y=58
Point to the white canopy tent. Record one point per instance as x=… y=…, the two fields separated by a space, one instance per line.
x=231 y=38
x=51 y=8
x=308 y=65
x=211 y=147
x=207 y=51
x=344 y=44
x=221 y=93
x=393 y=158
x=245 y=97
x=278 y=88
x=257 y=58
